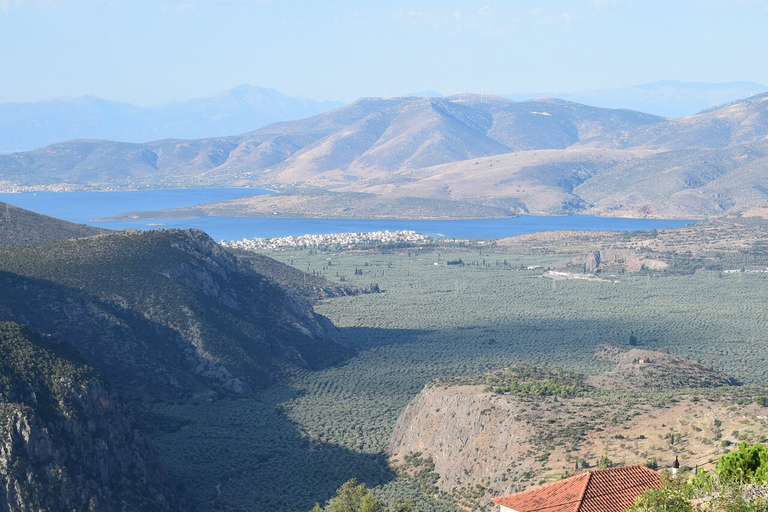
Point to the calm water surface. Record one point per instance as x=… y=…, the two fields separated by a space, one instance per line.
x=83 y=207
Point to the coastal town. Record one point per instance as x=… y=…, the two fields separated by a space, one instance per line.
x=345 y=240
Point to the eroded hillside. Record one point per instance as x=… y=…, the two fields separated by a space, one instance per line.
x=473 y=438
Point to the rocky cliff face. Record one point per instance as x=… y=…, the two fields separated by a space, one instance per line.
x=613 y=260
x=164 y=313
x=66 y=442
x=472 y=438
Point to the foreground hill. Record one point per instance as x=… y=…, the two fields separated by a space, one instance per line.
x=19 y=226
x=66 y=441
x=312 y=287
x=164 y=313
x=471 y=438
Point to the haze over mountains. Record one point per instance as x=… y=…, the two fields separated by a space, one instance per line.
x=368 y=139
x=669 y=98
x=25 y=126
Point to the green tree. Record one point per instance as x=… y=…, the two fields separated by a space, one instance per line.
x=716 y=494
x=746 y=465
x=672 y=496
x=354 y=497
x=604 y=462
x=652 y=463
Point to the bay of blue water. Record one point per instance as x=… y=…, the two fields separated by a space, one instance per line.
x=82 y=207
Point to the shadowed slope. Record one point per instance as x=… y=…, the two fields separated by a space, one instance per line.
x=20 y=226
x=165 y=312
x=66 y=441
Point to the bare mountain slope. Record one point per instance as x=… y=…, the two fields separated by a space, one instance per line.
x=557 y=124
x=689 y=182
x=537 y=182
x=739 y=122
x=360 y=141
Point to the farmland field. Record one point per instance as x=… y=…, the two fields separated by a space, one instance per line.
x=432 y=321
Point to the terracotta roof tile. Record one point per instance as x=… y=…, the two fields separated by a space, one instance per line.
x=615 y=489
x=602 y=490
x=561 y=496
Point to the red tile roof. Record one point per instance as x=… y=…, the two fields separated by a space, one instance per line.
x=602 y=490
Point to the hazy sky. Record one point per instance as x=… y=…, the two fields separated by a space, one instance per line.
x=150 y=52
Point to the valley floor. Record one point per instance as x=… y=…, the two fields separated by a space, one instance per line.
x=293 y=446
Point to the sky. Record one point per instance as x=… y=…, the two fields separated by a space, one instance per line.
x=152 y=52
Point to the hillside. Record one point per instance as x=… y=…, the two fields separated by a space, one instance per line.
x=731 y=244
x=66 y=441
x=311 y=287
x=165 y=313
x=734 y=123
x=19 y=226
x=540 y=182
x=473 y=438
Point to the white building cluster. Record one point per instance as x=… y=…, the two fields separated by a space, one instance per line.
x=329 y=240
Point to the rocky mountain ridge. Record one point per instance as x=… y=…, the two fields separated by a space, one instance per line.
x=163 y=313
x=66 y=441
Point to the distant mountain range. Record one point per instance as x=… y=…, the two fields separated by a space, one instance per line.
x=668 y=98
x=25 y=126
x=367 y=140
x=545 y=156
